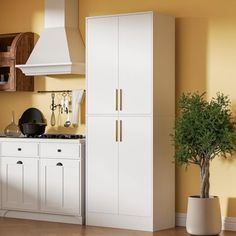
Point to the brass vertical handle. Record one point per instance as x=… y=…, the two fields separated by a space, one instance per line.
x=121 y=103
x=121 y=134
x=116 y=99
x=116 y=130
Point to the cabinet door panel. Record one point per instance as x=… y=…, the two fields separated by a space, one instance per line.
x=102 y=167
x=60 y=186
x=135 y=63
x=12 y=183
x=102 y=61
x=135 y=166
x=19 y=183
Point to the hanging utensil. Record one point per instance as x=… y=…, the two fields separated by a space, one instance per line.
x=70 y=103
x=53 y=107
x=59 y=116
x=67 y=122
x=63 y=103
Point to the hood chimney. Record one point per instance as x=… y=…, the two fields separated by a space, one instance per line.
x=60 y=48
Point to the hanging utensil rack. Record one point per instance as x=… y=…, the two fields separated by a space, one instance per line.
x=61 y=107
x=68 y=91
x=56 y=91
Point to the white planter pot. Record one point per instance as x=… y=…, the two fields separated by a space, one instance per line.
x=203 y=216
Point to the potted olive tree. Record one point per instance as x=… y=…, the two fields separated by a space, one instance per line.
x=203 y=131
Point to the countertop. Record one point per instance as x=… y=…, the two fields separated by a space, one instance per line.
x=41 y=140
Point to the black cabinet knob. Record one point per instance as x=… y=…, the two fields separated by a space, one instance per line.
x=59 y=164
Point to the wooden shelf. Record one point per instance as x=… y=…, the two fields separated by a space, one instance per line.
x=15 y=48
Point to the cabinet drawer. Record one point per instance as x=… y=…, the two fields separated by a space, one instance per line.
x=57 y=150
x=19 y=149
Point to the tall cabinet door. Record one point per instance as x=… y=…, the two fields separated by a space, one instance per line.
x=102 y=165
x=102 y=69
x=19 y=183
x=135 y=166
x=135 y=63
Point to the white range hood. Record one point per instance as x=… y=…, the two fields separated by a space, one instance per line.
x=60 y=48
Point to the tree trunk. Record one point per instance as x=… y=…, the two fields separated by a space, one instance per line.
x=205 y=176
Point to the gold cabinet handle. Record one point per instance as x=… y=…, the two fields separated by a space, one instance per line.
x=116 y=130
x=121 y=104
x=116 y=99
x=121 y=133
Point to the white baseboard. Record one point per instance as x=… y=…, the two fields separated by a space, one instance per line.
x=119 y=221
x=41 y=216
x=180 y=219
x=228 y=223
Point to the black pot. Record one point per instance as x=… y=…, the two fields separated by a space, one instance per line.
x=32 y=129
x=32 y=122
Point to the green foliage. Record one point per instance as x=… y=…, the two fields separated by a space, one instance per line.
x=203 y=129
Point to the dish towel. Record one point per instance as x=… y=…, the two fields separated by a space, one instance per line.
x=77 y=95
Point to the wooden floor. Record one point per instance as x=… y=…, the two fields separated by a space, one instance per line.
x=15 y=227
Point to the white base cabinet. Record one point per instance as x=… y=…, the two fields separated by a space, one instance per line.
x=42 y=180
x=130 y=115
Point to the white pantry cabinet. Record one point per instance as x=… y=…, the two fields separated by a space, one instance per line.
x=130 y=114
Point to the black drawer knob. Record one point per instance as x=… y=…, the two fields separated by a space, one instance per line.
x=19 y=149
x=19 y=162
x=58 y=150
x=59 y=164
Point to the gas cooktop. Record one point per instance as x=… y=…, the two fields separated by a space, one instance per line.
x=58 y=136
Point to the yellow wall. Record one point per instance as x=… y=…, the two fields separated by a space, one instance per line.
x=221 y=76
x=205 y=51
